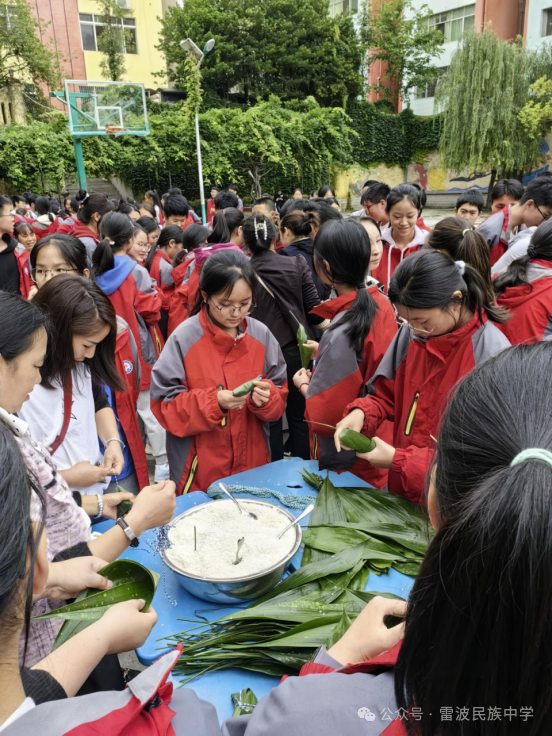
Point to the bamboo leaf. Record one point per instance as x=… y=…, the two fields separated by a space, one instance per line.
x=338 y=630
x=244 y=702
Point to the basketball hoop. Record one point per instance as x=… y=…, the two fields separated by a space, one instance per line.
x=114 y=129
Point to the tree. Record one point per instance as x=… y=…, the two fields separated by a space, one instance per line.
x=22 y=55
x=482 y=94
x=536 y=114
x=111 y=40
x=283 y=47
x=400 y=37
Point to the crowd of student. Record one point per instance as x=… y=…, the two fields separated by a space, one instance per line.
x=127 y=326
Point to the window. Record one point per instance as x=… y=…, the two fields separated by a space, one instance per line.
x=7 y=13
x=92 y=26
x=338 y=7
x=547 y=22
x=429 y=90
x=454 y=23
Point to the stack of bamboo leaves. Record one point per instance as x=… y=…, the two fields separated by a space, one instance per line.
x=352 y=533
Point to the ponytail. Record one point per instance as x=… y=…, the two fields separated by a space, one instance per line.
x=345 y=246
x=481 y=601
x=540 y=247
x=258 y=233
x=116 y=230
x=302 y=223
x=428 y=279
x=220 y=232
x=42 y=207
x=459 y=239
x=95 y=202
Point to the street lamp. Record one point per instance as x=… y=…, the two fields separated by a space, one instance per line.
x=195 y=52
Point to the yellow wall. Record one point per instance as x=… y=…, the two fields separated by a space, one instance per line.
x=140 y=67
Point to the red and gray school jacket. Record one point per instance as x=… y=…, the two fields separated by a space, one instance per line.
x=134 y=297
x=530 y=306
x=161 y=272
x=411 y=388
x=204 y=442
x=392 y=255
x=24 y=268
x=338 y=377
x=497 y=231
x=88 y=238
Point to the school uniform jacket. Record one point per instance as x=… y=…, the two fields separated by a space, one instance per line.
x=497 y=231
x=411 y=388
x=530 y=306
x=338 y=378
x=134 y=297
x=24 y=268
x=43 y=226
x=392 y=255
x=161 y=272
x=177 y=311
x=127 y=360
x=203 y=441
x=88 y=238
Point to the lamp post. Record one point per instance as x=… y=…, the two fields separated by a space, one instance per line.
x=195 y=52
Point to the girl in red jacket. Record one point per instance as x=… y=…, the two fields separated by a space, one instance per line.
x=46 y=223
x=211 y=432
x=401 y=236
x=159 y=263
x=362 y=327
x=129 y=288
x=525 y=289
x=447 y=332
x=87 y=229
x=193 y=237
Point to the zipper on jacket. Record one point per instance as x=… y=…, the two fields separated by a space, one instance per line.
x=224 y=419
x=411 y=415
x=191 y=476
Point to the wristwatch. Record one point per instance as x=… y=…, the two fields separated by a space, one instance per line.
x=131 y=536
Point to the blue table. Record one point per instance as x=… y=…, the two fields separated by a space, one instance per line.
x=172 y=602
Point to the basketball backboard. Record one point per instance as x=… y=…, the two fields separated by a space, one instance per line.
x=106 y=108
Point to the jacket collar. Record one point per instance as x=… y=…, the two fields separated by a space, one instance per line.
x=223 y=342
x=441 y=346
x=332 y=307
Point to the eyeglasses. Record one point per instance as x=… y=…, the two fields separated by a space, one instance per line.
x=40 y=274
x=546 y=216
x=231 y=308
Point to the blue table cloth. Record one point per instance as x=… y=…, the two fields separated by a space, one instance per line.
x=172 y=602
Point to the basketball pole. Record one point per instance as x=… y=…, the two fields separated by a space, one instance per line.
x=77 y=145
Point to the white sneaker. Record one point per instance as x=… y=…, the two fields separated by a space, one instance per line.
x=162 y=472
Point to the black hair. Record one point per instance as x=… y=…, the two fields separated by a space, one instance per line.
x=21 y=321
x=266 y=201
x=540 y=191
x=95 y=202
x=511 y=187
x=116 y=229
x=345 y=245
x=152 y=193
x=471 y=196
x=398 y=194
x=179 y=257
x=226 y=199
x=375 y=193
x=5 y=201
x=75 y=204
x=324 y=210
x=19 y=227
x=370 y=183
x=463 y=242
x=220 y=273
x=422 y=196
x=168 y=233
x=224 y=224
x=214 y=188
x=193 y=236
x=149 y=208
x=298 y=189
x=126 y=208
x=82 y=194
x=313 y=193
x=174 y=191
x=232 y=188
x=42 y=207
x=18 y=198
x=258 y=233
x=72 y=250
x=540 y=247
x=298 y=205
x=55 y=207
x=176 y=205
x=31 y=199
x=478 y=627
x=324 y=190
x=428 y=279
x=148 y=224
x=301 y=222
x=76 y=306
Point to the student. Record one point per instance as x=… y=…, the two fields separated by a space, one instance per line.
x=18 y=201
x=402 y=236
x=45 y=223
x=90 y=214
x=25 y=236
x=266 y=207
x=285 y=292
x=525 y=290
x=129 y=288
x=68 y=210
x=152 y=229
x=422 y=198
x=193 y=237
x=226 y=199
x=505 y=192
x=325 y=192
x=297 y=193
x=469 y=205
x=177 y=211
x=233 y=189
x=362 y=327
x=159 y=263
x=211 y=205
x=57 y=255
x=217 y=349
x=139 y=247
x=297 y=230
x=376 y=248
x=313 y=194
x=148 y=210
x=15 y=276
x=462 y=242
x=447 y=332
x=227 y=227
x=373 y=202
x=500 y=229
x=31 y=199
x=279 y=200
x=152 y=198
x=129 y=209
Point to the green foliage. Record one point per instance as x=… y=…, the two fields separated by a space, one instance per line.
x=22 y=53
x=192 y=86
x=111 y=42
x=536 y=114
x=482 y=93
x=399 y=36
x=287 y=48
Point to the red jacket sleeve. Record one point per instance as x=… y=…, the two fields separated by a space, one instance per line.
x=376 y=408
x=148 y=301
x=274 y=407
x=411 y=464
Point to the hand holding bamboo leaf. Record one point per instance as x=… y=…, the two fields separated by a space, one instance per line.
x=302 y=339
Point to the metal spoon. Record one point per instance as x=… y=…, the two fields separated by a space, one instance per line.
x=224 y=487
x=238 y=558
x=297 y=520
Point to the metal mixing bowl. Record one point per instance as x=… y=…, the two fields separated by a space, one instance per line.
x=233 y=590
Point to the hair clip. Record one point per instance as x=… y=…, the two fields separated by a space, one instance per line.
x=461 y=266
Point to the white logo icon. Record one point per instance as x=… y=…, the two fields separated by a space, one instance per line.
x=366 y=713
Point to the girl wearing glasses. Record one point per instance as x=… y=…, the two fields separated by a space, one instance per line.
x=56 y=255
x=447 y=331
x=211 y=432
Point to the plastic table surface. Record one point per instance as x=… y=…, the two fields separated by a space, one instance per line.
x=172 y=602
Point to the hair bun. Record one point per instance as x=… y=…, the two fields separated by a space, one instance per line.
x=531 y=251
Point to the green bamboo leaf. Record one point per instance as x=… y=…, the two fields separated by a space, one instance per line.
x=125 y=506
x=327 y=508
x=244 y=702
x=338 y=630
